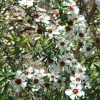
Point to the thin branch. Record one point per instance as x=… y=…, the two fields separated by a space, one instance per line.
x=91 y=13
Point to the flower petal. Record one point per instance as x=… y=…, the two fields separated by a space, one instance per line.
x=23 y=77
x=24 y=84
x=17 y=88
x=30 y=69
x=68 y=92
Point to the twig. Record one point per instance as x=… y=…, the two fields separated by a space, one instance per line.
x=91 y=13
x=77 y=50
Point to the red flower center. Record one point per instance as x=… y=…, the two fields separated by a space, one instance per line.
x=73 y=72
x=26 y=72
x=70 y=22
x=35 y=15
x=67 y=51
x=62 y=43
x=47 y=84
x=62 y=63
x=50 y=30
x=78 y=79
x=52 y=76
x=39 y=31
x=69 y=59
x=18 y=81
x=75 y=91
x=56 y=14
x=88 y=49
x=71 y=8
x=36 y=81
x=83 y=80
x=59 y=81
x=81 y=35
x=80 y=70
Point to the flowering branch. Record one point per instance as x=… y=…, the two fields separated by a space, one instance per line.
x=87 y=21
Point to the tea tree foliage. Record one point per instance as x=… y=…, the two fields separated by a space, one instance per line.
x=61 y=41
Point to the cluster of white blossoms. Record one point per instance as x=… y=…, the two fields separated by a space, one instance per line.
x=64 y=39
x=35 y=79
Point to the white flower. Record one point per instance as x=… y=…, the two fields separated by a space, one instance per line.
x=87 y=84
x=36 y=17
x=44 y=18
x=65 y=30
x=28 y=72
x=63 y=64
x=88 y=49
x=75 y=92
x=67 y=51
x=36 y=83
x=80 y=70
x=62 y=43
x=56 y=14
x=52 y=76
x=85 y=78
x=26 y=2
x=76 y=79
x=19 y=81
x=79 y=36
x=72 y=9
x=70 y=58
x=40 y=72
x=71 y=2
x=52 y=64
x=51 y=30
x=59 y=82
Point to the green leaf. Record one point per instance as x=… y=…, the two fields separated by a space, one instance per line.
x=10 y=74
x=25 y=53
x=55 y=7
x=16 y=50
x=97 y=68
x=90 y=59
x=26 y=38
x=91 y=40
x=49 y=45
x=21 y=37
x=35 y=44
x=41 y=37
x=14 y=38
x=2 y=73
x=47 y=40
x=1 y=78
